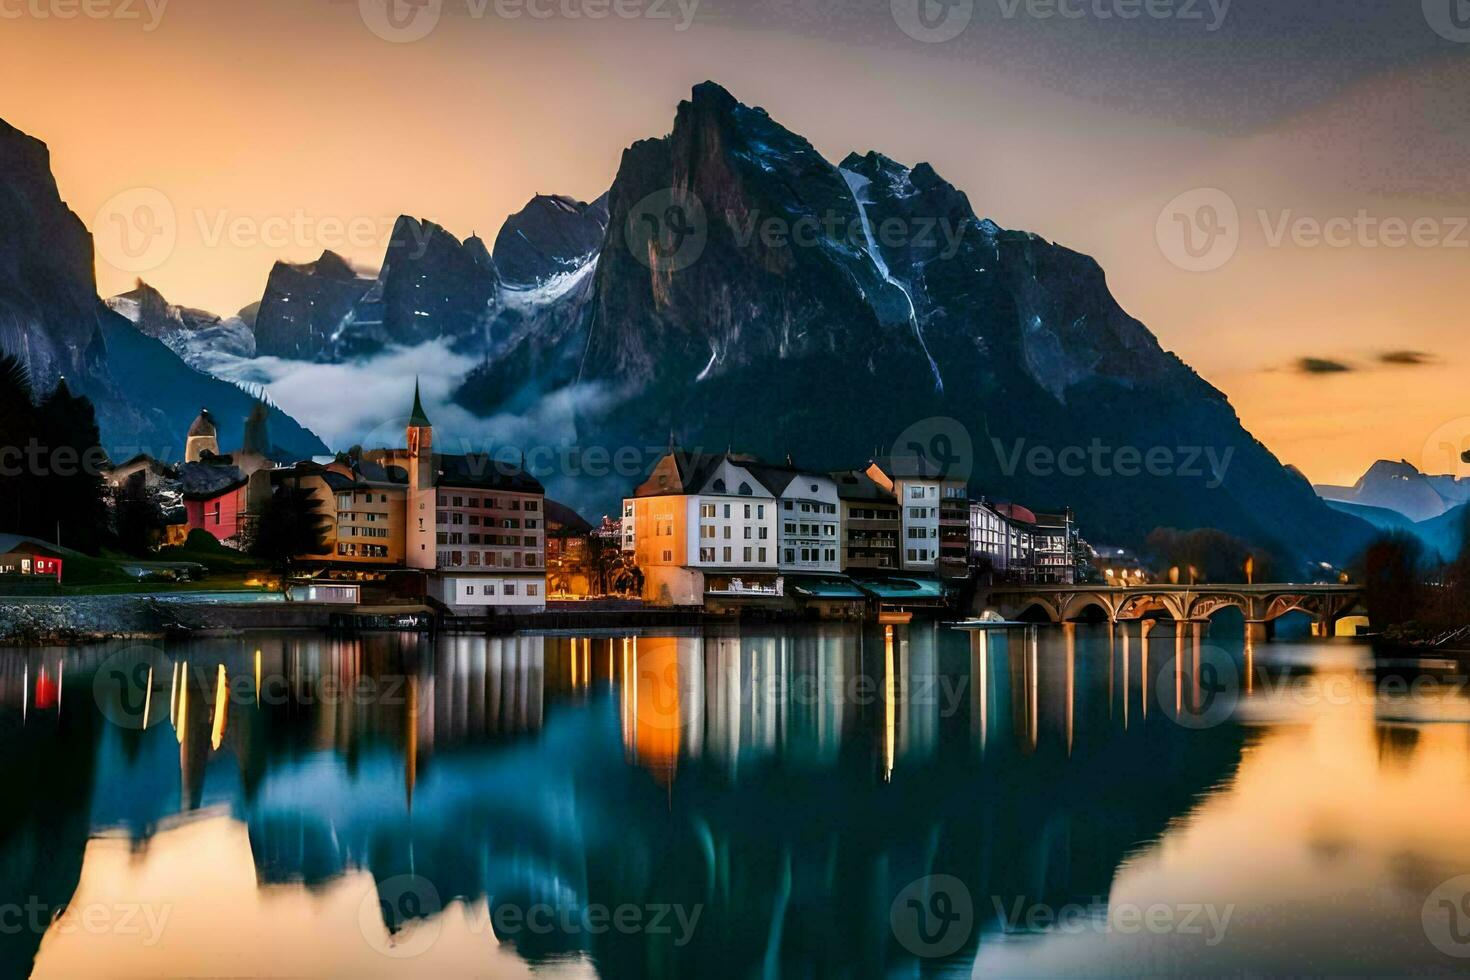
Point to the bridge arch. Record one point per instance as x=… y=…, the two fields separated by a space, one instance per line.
x=1037 y=609
x=1207 y=605
x=1088 y=607
x=1146 y=605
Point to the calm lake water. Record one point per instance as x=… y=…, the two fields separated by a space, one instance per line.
x=733 y=802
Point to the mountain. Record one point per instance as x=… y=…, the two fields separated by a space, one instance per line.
x=1442 y=536
x=201 y=339
x=145 y=396
x=748 y=292
x=304 y=306
x=1402 y=488
x=1445 y=534
x=550 y=236
x=431 y=287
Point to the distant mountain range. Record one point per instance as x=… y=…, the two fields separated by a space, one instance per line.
x=735 y=288
x=1396 y=496
x=51 y=317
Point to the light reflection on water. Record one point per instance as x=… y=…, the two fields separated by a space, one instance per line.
x=750 y=801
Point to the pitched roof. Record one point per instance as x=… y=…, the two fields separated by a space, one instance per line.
x=203 y=481
x=17 y=543
x=857 y=485
x=482 y=471
x=914 y=468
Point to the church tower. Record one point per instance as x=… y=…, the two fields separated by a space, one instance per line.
x=420 y=529
x=203 y=438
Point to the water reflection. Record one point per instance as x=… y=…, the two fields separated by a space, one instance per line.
x=779 y=788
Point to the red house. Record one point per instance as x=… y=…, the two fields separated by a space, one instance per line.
x=27 y=556
x=220 y=512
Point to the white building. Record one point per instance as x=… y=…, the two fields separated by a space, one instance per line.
x=810 y=519
x=702 y=523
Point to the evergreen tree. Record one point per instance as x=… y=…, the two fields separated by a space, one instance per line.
x=50 y=463
x=290 y=524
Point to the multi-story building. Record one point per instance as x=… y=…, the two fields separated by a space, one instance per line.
x=809 y=538
x=1057 y=544
x=476 y=521
x=934 y=514
x=1001 y=544
x=703 y=523
x=369 y=522
x=1010 y=542
x=870 y=523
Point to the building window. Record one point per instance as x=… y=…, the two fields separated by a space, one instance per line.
x=469 y=590
x=532 y=590
x=510 y=588
x=669 y=555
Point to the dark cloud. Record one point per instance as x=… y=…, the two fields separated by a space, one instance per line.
x=1229 y=66
x=1410 y=358
x=1321 y=365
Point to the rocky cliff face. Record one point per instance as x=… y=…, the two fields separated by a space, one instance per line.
x=51 y=317
x=47 y=286
x=750 y=292
x=551 y=236
x=305 y=305
x=431 y=287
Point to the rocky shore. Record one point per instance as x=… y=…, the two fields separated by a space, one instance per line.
x=81 y=619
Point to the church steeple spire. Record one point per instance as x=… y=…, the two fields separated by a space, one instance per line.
x=418 y=418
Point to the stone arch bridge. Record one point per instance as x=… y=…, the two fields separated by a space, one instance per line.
x=1261 y=605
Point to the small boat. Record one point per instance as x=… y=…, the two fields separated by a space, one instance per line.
x=988 y=624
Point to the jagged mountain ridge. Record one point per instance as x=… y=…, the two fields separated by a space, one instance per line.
x=1402 y=488
x=200 y=338
x=431 y=286
x=145 y=396
x=830 y=347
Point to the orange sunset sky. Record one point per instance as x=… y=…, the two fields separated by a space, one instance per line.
x=250 y=118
